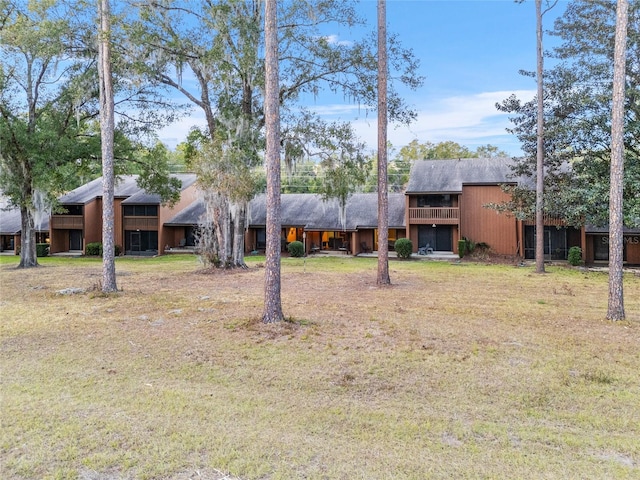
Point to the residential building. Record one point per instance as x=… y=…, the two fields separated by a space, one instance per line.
x=139 y=217
x=445 y=201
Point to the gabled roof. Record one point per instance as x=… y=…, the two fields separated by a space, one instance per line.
x=126 y=186
x=189 y=216
x=312 y=213
x=309 y=211
x=448 y=176
x=141 y=197
x=592 y=229
x=11 y=220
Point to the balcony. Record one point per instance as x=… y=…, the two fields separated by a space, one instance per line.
x=141 y=223
x=434 y=215
x=67 y=222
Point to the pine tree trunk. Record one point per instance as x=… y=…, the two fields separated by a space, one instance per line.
x=272 y=283
x=615 y=309
x=107 y=127
x=540 y=145
x=383 y=196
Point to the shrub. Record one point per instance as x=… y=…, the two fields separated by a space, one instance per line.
x=94 y=249
x=296 y=249
x=403 y=247
x=575 y=256
x=42 y=249
x=117 y=250
x=462 y=247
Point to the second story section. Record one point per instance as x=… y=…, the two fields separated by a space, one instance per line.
x=435 y=189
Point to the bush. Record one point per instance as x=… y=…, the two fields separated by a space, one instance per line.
x=42 y=249
x=462 y=247
x=94 y=249
x=296 y=249
x=403 y=247
x=575 y=256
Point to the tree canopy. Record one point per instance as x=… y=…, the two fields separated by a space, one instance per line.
x=577 y=109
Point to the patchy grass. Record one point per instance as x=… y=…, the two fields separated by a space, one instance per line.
x=455 y=371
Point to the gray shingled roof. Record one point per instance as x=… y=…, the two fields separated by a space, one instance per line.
x=11 y=221
x=126 y=186
x=591 y=229
x=141 y=197
x=311 y=212
x=448 y=176
x=189 y=216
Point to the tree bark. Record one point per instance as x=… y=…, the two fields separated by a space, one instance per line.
x=272 y=284
x=540 y=144
x=615 y=309
x=107 y=127
x=28 y=256
x=383 y=195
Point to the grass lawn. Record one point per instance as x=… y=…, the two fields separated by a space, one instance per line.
x=455 y=371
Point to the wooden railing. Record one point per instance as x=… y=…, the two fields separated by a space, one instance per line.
x=141 y=223
x=438 y=215
x=549 y=220
x=67 y=222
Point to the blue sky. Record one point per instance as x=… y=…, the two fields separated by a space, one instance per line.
x=470 y=54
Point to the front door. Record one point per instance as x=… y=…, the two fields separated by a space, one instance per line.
x=75 y=239
x=134 y=241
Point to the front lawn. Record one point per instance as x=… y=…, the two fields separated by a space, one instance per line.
x=455 y=371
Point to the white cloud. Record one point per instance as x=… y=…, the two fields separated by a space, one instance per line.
x=335 y=40
x=469 y=120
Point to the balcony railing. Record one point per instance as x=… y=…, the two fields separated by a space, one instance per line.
x=67 y=222
x=549 y=220
x=437 y=215
x=141 y=223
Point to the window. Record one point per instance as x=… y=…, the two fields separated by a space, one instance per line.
x=140 y=210
x=72 y=210
x=434 y=200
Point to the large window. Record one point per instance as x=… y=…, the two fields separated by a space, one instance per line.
x=435 y=200
x=141 y=242
x=601 y=249
x=71 y=210
x=140 y=210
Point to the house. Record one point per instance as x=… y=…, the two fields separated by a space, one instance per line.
x=446 y=200
x=596 y=246
x=323 y=226
x=11 y=227
x=138 y=223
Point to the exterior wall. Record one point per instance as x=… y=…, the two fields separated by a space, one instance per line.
x=633 y=249
x=92 y=222
x=166 y=235
x=481 y=224
x=59 y=240
x=631 y=246
x=118 y=230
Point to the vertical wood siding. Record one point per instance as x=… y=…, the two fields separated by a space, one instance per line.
x=481 y=224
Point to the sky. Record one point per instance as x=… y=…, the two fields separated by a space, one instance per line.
x=470 y=52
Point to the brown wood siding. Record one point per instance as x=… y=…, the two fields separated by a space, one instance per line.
x=66 y=222
x=92 y=222
x=633 y=249
x=480 y=224
x=141 y=223
x=166 y=213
